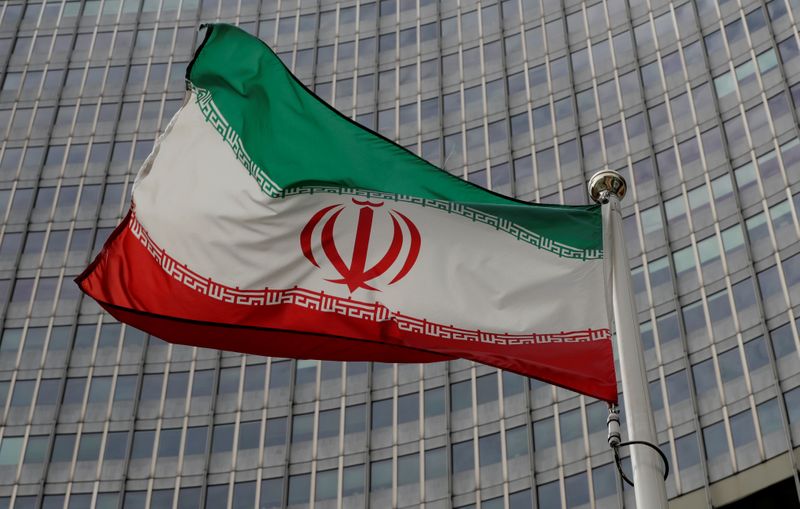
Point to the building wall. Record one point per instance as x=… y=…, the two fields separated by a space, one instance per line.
x=695 y=102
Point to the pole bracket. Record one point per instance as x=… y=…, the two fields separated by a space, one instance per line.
x=615 y=441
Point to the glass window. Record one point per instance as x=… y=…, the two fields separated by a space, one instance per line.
x=604 y=481
x=720 y=313
x=735 y=131
x=108 y=501
x=196 y=437
x=708 y=249
x=355 y=418
x=715 y=440
x=10 y=340
x=353 y=480
x=586 y=103
x=788 y=49
x=704 y=376
x=381 y=413
x=688 y=451
x=109 y=335
x=685 y=263
x=623 y=49
x=23 y=393
x=89 y=448
x=48 y=393
x=254 y=375
x=570 y=424
x=177 y=384
x=730 y=365
x=328 y=423
x=306 y=371
x=782 y=341
x=596 y=414
x=755 y=20
x=732 y=239
x=249 y=435
x=135 y=499
x=460 y=395
x=544 y=435
x=279 y=374
x=792 y=399
x=576 y=489
x=329 y=370
x=512 y=384
x=299 y=489
x=746 y=73
x=492 y=503
x=769 y=417
x=23 y=288
x=217 y=495
x=549 y=494
x=755 y=351
x=770 y=285
x=326 y=484
x=151 y=386
x=228 y=381
x=380 y=475
x=694 y=320
x=767 y=61
x=73 y=393
x=742 y=429
x=35 y=450
x=698 y=197
x=656 y=398
x=660 y=280
x=463 y=457
x=652 y=223
x=486 y=388
x=142 y=444
x=408 y=469
x=100 y=389
x=517 y=442
x=554 y=31
x=34 y=341
x=125 y=388
x=675 y=210
x=188 y=498
x=668 y=328
x=63 y=448
x=677 y=387
x=601 y=57
x=489 y=450
x=158 y=499
x=116 y=445
x=651 y=78
x=302 y=427
x=10 y=450
x=436 y=462
x=203 y=383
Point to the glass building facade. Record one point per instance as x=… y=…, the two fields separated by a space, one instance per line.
x=695 y=102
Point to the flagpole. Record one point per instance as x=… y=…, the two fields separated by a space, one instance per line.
x=609 y=187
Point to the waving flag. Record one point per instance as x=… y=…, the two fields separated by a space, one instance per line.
x=266 y=222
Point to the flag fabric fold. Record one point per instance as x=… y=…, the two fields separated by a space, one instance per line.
x=266 y=222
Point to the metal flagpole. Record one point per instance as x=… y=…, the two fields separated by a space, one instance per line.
x=608 y=187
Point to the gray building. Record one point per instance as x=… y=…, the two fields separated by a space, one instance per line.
x=694 y=101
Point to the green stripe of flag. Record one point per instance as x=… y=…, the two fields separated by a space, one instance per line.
x=296 y=140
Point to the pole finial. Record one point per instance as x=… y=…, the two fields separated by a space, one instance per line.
x=605 y=183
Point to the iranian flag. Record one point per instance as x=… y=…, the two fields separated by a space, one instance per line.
x=268 y=223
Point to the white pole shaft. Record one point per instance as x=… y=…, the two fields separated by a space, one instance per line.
x=648 y=468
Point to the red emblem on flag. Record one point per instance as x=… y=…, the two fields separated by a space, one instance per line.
x=357 y=275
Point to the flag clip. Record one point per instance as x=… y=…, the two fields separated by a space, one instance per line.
x=614 y=435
